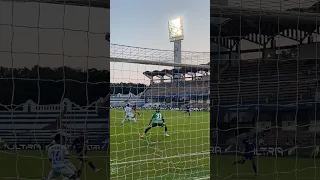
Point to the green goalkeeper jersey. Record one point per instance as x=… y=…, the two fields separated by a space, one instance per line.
x=157 y=118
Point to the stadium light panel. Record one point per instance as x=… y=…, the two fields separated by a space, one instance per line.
x=176 y=29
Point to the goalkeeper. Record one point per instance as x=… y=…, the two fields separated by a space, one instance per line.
x=156 y=120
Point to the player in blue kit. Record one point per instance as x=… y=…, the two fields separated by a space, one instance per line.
x=248 y=154
x=188 y=109
x=135 y=110
x=80 y=146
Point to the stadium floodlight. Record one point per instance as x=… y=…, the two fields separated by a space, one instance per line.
x=176 y=29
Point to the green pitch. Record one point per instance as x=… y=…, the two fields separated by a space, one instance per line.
x=29 y=165
x=269 y=168
x=183 y=155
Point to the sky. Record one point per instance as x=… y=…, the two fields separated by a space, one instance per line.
x=144 y=23
x=139 y=23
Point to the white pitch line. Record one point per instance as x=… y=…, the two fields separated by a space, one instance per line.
x=161 y=158
x=202 y=178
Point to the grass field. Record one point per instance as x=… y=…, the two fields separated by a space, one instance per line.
x=29 y=165
x=269 y=168
x=183 y=155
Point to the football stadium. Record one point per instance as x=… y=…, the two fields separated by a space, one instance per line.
x=159 y=121
x=174 y=91
x=52 y=80
x=264 y=89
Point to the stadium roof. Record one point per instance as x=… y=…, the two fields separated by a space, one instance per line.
x=238 y=22
x=155 y=73
x=92 y=3
x=269 y=26
x=166 y=72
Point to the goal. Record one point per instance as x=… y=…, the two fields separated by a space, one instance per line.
x=54 y=78
x=265 y=88
x=148 y=79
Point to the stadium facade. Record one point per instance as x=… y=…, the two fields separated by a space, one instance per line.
x=192 y=87
x=30 y=123
x=54 y=34
x=121 y=100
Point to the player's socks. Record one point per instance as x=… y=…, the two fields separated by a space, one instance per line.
x=79 y=172
x=91 y=166
x=98 y=170
x=134 y=119
x=123 y=120
x=145 y=132
x=166 y=131
x=239 y=162
x=254 y=168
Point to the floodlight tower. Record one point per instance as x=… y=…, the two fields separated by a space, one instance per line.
x=176 y=36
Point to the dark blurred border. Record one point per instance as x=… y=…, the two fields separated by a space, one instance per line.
x=92 y=3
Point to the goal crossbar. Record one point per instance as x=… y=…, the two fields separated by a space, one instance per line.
x=160 y=63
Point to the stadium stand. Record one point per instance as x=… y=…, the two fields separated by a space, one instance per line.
x=264 y=92
x=183 y=89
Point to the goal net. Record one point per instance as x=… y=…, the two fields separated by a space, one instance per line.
x=148 y=80
x=265 y=89
x=54 y=76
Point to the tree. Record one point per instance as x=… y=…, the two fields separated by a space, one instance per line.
x=289 y=54
x=48 y=86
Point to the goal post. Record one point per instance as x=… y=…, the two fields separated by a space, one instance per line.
x=147 y=78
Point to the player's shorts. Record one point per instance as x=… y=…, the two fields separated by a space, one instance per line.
x=157 y=124
x=129 y=116
x=248 y=156
x=68 y=172
x=188 y=110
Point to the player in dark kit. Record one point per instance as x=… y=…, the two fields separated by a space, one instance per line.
x=79 y=145
x=188 y=109
x=135 y=110
x=248 y=154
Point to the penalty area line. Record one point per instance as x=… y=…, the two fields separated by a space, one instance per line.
x=202 y=178
x=161 y=158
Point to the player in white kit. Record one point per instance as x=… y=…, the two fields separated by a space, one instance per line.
x=129 y=114
x=59 y=158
